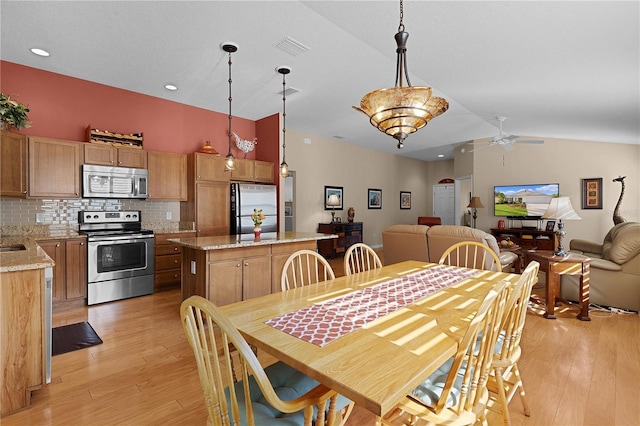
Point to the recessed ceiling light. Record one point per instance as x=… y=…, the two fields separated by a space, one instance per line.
x=39 y=52
x=440 y=155
x=171 y=87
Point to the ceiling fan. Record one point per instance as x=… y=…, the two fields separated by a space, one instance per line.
x=505 y=140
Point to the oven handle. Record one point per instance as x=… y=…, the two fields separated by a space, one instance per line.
x=120 y=238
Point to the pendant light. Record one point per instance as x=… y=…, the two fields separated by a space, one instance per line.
x=401 y=110
x=230 y=162
x=284 y=167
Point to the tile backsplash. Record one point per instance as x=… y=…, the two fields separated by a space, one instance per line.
x=29 y=212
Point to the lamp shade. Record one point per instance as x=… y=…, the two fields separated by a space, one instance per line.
x=475 y=203
x=561 y=208
x=333 y=200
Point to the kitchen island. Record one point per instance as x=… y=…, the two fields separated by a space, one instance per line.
x=25 y=321
x=231 y=268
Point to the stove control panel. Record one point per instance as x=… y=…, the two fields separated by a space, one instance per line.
x=109 y=217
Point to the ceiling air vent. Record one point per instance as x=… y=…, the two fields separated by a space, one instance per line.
x=291 y=46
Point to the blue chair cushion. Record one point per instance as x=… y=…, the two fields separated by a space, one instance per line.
x=288 y=384
x=430 y=390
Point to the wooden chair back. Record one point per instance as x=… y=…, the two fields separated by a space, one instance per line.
x=214 y=340
x=305 y=267
x=471 y=254
x=359 y=258
x=505 y=380
x=464 y=393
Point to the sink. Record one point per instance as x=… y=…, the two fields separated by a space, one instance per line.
x=16 y=247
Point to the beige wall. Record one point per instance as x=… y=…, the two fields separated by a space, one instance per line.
x=565 y=162
x=329 y=162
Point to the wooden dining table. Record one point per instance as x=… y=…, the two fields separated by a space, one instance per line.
x=380 y=362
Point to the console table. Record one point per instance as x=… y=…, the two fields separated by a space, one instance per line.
x=554 y=266
x=348 y=234
x=528 y=238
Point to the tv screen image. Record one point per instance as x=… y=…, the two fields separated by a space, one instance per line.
x=523 y=201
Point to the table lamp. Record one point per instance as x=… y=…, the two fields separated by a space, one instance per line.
x=560 y=208
x=333 y=201
x=475 y=204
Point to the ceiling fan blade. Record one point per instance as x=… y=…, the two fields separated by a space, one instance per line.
x=532 y=141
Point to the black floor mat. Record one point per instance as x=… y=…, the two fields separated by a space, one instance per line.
x=72 y=337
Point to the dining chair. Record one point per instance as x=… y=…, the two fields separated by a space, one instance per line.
x=261 y=396
x=359 y=258
x=505 y=379
x=456 y=393
x=305 y=267
x=471 y=254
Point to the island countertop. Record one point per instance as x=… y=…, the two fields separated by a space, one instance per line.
x=248 y=240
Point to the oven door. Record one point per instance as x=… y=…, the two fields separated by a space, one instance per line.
x=115 y=257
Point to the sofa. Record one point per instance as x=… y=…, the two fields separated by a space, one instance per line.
x=614 y=278
x=428 y=243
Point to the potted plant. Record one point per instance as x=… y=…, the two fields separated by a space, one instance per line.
x=12 y=113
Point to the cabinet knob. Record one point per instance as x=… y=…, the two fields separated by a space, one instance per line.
x=175 y=261
x=175 y=249
x=238 y=265
x=246 y=263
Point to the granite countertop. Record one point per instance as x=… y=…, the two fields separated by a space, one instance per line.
x=32 y=257
x=248 y=240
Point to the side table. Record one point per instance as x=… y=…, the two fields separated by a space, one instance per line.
x=554 y=266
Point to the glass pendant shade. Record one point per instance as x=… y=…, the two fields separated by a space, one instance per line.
x=230 y=163
x=400 y=111
x=284 y=170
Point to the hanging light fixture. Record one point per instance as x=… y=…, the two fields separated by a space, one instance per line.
x=401 y=110
x=284 y=167
x=230 y=163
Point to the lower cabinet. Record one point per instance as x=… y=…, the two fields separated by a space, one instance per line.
x=231 y=275
x=22 y=338
x=168 y=261
x=70 y=271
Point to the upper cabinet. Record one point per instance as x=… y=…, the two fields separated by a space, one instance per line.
x=167 y=176
x=13 y=165
x=108 y=155
x=54 y=168
x=253 y=171
x=209 y=168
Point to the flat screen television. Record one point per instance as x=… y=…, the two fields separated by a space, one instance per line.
x=523 y=201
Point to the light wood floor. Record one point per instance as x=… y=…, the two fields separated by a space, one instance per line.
x=575 y=373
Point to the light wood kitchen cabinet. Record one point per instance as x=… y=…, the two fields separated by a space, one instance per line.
x=70 y=271
x=168 y=260
x=13 y=165
x=253 y=171
x=279 y=255
x=22 y=338
x=167 y=176
x=54 y=168
x=209 y=168
x=239 y=274
x=208 y=199
x=109 y=155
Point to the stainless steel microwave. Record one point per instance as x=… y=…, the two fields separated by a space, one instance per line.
x=114 y=182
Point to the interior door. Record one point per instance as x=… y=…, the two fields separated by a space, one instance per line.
x=444 y=203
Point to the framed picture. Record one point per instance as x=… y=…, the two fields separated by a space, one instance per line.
x=550 y=225
x=335 y=202
x=405 y=200
x=592 y=193
x=374 y=198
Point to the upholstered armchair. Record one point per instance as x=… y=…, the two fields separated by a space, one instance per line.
x=615 y=268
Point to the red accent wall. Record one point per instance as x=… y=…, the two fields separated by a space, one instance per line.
x=268 y=147
x=62 y=107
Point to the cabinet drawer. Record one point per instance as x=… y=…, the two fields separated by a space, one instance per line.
x=167 y=278
x=168 y=249
x=172 y=261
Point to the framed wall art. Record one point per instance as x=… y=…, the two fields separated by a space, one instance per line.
x=374 y=198
x=550 y=225
x=331 y=203
x=405 y=200
x=592 y=193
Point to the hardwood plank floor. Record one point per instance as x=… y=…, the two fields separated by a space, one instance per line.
x=575 y=373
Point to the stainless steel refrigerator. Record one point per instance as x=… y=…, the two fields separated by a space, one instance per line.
x=245 y=198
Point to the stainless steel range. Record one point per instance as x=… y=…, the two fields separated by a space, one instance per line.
x=120 y=254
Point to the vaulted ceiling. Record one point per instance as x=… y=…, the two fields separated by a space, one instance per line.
x=555 y=69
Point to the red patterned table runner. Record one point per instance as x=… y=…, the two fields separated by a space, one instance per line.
x=324 y=322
